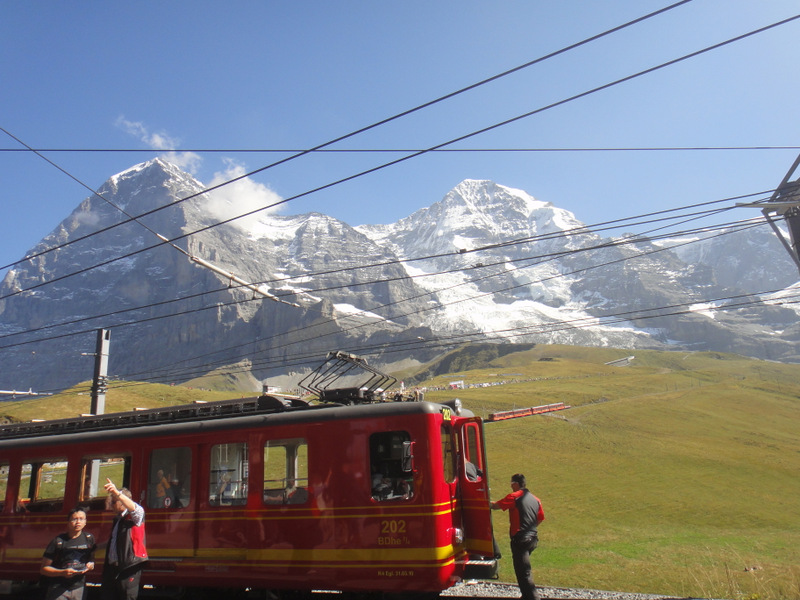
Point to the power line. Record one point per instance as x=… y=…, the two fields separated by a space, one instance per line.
x=375 y=125
x=540 y=260
x=399 y=160
x=648 y=218
x=400 y=150
x=528 y=330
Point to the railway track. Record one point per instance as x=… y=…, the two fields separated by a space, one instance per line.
x=473 y=590
x=486 y=589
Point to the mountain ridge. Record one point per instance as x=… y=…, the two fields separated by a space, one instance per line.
x=486 y=263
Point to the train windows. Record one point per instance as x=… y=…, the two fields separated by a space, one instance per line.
x=448 y=456
x=95 y=472
x=286 y=471
x=473 y=455
x=229 y=472
x=391 y=465
x=170 y=478
x=41 y=486
x=3 y=484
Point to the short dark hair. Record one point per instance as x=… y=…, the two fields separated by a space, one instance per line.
x=519 y=478
x=75 y=510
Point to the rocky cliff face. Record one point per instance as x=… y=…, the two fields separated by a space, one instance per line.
x=500 y=265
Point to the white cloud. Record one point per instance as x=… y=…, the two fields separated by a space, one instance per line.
x=231 y=200
x=239 y=197
x=188 y=161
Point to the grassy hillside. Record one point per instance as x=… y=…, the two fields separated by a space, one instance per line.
x=121 y=396
x=678 y=474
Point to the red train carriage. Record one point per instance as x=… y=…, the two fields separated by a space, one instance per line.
x=263 y=493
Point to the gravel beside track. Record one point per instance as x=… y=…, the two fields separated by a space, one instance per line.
x=484 y=589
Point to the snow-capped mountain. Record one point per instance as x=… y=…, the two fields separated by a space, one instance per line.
x=487 y=262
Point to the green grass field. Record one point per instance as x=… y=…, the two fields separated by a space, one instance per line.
x=678 y=474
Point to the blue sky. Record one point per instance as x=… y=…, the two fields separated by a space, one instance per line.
x=291 y=75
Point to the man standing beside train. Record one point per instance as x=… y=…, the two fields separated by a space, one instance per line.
x=525 y=513
x=126 y=554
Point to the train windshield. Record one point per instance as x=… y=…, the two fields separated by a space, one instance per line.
x=391 y=463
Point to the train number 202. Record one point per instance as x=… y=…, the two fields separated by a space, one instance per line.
x=393 y=533
x=393 y=527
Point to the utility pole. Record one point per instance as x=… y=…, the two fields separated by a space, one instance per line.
x=100 y=381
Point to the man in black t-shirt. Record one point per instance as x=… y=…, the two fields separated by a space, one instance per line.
x=67 y=558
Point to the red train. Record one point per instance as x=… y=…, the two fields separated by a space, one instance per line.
x=353 y=493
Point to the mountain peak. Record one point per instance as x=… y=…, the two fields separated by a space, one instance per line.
x=487 y=259
x=130 y=187
x=153 y=167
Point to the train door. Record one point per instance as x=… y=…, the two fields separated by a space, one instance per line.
x=474 y=487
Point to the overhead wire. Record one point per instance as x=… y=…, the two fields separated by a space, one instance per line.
x=452 y=340
x=626 y=241
x=399 y=150
x=402 y=159
x=594 y=229
x=385 y=121
x=206 y=367
x=399 y=160
x=527 y=114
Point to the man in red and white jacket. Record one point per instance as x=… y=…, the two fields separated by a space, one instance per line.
x=525 y=514
x=126 y=554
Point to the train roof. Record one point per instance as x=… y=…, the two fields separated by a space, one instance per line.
x=201 y=417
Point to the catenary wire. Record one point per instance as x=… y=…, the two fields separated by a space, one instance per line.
x=406 y=112
x=555 y=255
x=405 y=158
x=541 y=258
x=400 y=150
x=539 y=328
x=585 y=229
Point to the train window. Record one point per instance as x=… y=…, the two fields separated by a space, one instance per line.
x=473 y=456
x=391 y=465
x=95 y=472
x=170 y=478
x=41 y=486
x=448 y=456
x=229 y=472
x=286 y=471
x=3 y=484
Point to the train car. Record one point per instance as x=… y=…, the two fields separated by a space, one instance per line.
x=267 y=493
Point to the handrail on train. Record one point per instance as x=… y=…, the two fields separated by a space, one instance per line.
x=197 y=411
x=338 y=367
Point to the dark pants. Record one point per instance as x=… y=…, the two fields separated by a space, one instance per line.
x=521 y=547
x=120 y=586
x=59 y=592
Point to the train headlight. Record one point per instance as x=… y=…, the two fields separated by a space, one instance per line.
x=454 y=404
